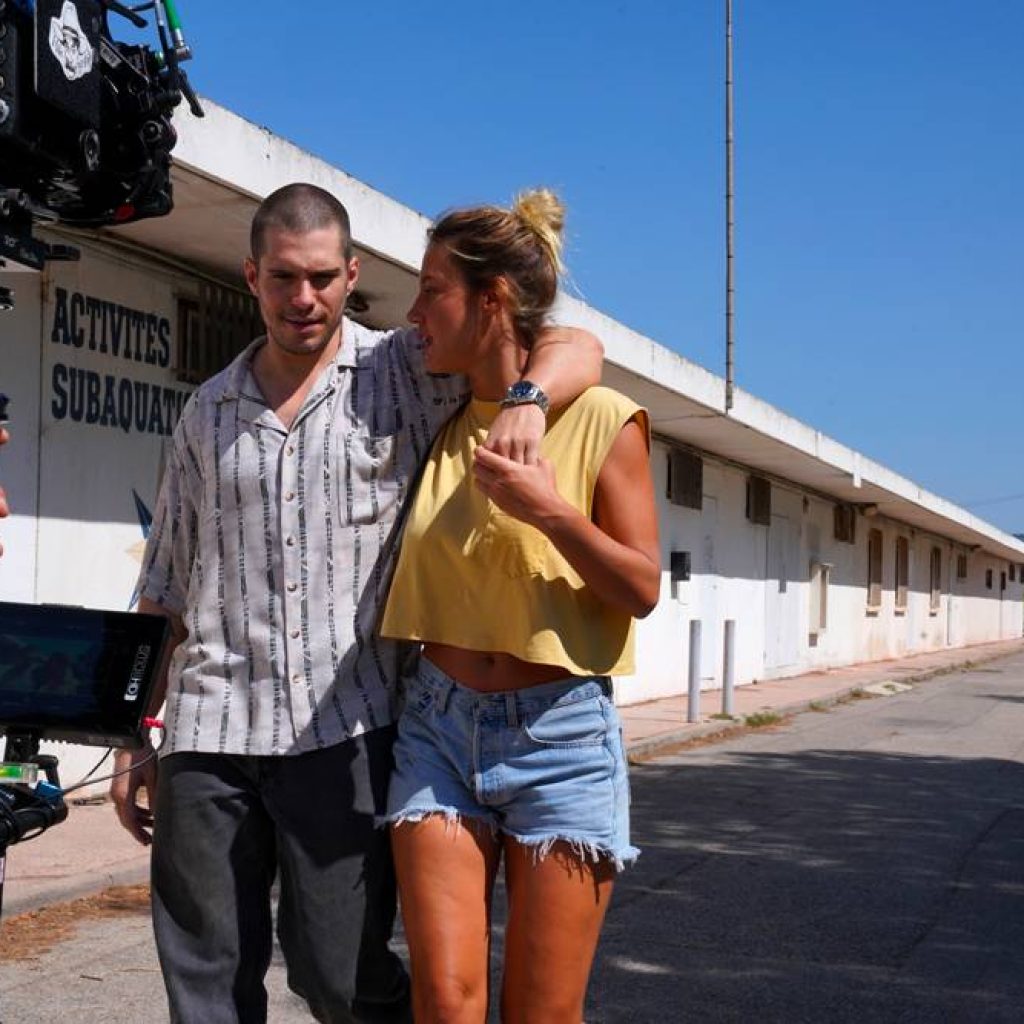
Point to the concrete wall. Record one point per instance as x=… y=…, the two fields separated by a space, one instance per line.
x=109 y=404
x=760 y=577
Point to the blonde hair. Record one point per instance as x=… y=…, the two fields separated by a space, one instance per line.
x=544 y=214
x=522 y=246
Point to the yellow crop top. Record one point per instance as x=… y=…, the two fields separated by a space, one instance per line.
x=472 y=576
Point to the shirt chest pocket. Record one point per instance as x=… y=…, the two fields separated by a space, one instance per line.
x=368 y=477
x=511 y=546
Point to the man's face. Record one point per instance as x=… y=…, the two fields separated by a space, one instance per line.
x=302 y=282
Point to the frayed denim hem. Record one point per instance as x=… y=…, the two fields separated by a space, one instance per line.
x=453 y=819
x=583 y=849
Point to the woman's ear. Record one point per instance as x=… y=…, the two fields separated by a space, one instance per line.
x=496 y=296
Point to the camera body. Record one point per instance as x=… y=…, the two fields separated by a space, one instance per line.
x=85 y=122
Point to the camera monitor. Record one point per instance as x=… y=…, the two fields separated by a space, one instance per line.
x=77 y=674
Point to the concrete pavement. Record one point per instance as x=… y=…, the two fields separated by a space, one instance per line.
x=90 y=851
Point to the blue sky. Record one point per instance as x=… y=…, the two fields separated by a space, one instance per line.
x=879 y=178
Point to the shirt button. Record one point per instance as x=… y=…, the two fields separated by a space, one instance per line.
x=290 y=450
x=290 y=496
x=290 y=541
x=295 y=634
x=292 y=587
x=296 y=678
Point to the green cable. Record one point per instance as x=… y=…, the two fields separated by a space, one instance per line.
x=172 y=16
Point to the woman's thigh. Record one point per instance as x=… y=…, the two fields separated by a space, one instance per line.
x=446 y=871
x=557 y=904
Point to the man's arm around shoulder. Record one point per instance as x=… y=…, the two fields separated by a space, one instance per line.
x=564 y=362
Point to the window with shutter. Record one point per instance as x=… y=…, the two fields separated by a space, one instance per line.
x=214 y=329
x=874 y=570
x=902 y=572
x=685 y=479
x=844 y=523
x=935 y=580
x=759 y=500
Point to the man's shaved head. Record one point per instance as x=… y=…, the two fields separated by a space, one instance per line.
x=299 y=208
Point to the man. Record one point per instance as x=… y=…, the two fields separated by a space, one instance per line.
x=270 y=552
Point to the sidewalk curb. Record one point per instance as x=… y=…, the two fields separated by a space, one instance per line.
x=69 y=889
x=640 y=751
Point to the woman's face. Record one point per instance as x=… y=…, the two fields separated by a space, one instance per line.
x=446 y=313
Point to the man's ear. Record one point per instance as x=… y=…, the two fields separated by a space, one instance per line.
x=251 y=272
x=352 y=270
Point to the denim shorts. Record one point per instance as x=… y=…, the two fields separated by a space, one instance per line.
x=542 y=764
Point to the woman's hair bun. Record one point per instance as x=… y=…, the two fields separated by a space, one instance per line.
x=544 y=214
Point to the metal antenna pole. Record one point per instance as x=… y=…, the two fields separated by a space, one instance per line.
x=730 y=221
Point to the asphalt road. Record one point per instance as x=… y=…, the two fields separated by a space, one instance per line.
x=864 y=864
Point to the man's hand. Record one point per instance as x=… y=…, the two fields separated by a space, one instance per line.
x=3 y=512
x=517 y=432
x=527 y=491
x=139 y=767
x=4 y=509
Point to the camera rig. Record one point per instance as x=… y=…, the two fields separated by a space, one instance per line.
x=85 y=121
x=26 y=810
x=72 y=674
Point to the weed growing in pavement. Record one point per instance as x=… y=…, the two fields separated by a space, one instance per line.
x=760 y=719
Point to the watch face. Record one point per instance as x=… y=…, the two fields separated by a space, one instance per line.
x=524 y=392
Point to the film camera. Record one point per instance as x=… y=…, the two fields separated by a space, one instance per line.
x=79 y=675
x=85 y=121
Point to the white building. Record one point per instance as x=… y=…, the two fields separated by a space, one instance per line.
x=819 y=556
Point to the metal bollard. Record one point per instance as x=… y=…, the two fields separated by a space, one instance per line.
x=728 y=665
x=693 y=694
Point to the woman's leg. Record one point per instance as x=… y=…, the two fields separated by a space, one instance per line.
x=556 y=905
x=445 y=881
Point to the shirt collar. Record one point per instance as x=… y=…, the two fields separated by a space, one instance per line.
x=346 y=356
x=237 y=375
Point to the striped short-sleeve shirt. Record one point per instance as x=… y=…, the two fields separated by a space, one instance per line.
x=275 y=547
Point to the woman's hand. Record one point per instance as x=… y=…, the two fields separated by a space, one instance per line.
x=526 y=490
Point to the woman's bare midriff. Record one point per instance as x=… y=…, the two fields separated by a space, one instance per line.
x=490 y=671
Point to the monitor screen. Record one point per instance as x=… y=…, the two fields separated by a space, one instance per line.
x=77 y=674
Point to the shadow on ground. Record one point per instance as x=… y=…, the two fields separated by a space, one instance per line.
x=823 y=886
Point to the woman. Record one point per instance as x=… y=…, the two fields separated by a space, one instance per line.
x=521 y=581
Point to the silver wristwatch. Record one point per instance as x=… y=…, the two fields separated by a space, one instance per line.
x=525 y=392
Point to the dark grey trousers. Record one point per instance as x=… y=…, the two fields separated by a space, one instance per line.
x=225 y=825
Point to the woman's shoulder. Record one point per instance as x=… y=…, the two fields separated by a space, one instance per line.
x=603 y=401
x=599 y=414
